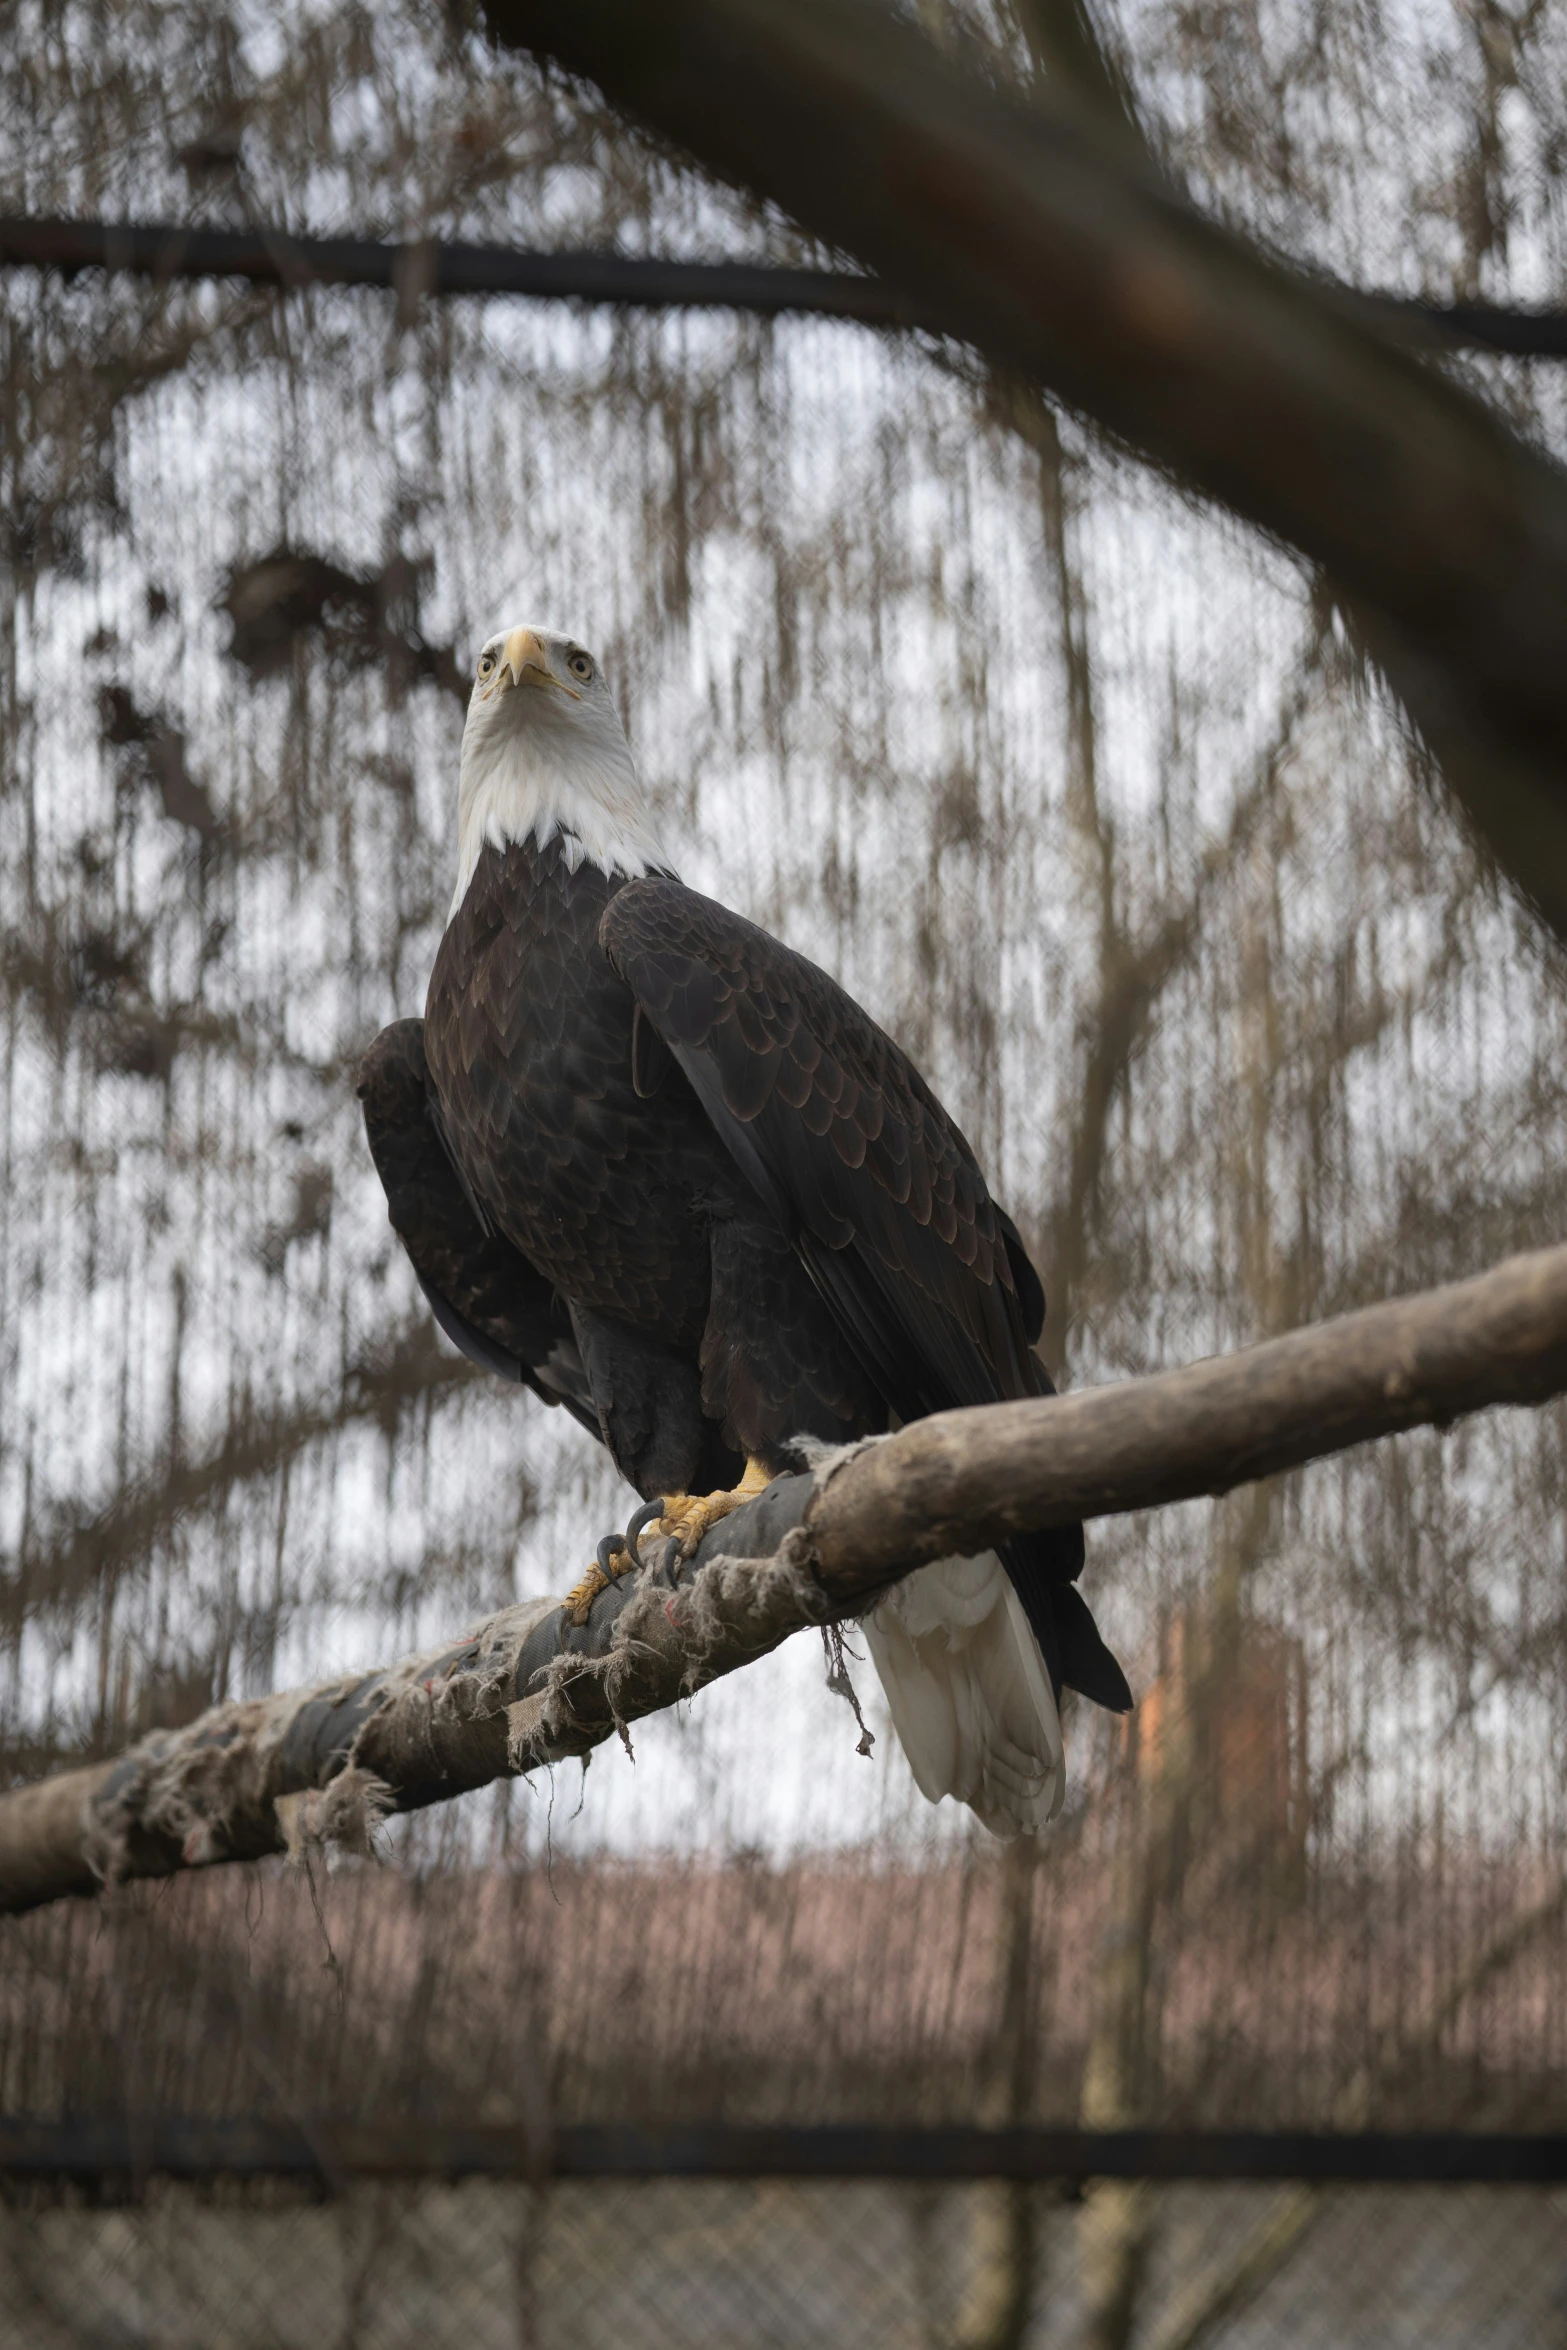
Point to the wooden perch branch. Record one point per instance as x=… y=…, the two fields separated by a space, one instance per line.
x=529 y=1686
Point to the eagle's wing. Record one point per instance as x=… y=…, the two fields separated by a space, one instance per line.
x=840 y=1136
x=491 y=1303
x=875 y=1185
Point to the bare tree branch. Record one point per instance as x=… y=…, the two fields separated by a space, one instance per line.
x=531 y=1685
x=1032 y=229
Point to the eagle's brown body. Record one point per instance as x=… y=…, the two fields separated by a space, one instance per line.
x=703 y=1337
x=729 y=1199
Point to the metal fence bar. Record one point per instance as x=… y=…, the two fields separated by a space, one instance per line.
x=270 y=256
x=95 y=2147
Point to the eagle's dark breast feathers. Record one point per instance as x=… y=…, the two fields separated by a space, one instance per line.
x=528 y=1036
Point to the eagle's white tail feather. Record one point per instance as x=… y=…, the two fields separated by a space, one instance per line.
x=968 y=1692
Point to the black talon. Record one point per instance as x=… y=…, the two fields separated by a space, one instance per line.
x=606 y=1551
x=648 y=1515
x=641 y=1520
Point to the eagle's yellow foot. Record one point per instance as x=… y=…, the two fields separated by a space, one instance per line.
x=613 y=1561
x=688 y=1516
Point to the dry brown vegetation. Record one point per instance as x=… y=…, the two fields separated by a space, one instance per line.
x=815 y=1992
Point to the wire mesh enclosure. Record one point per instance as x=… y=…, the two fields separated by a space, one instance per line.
x=1094 y=800
x=783 y=2264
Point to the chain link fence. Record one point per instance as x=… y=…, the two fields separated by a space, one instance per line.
x=681 y=2264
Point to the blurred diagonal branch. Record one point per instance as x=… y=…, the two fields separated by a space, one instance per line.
x=1036 y=232
x=530 y=1685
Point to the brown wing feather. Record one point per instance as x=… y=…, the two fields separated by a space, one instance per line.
x=486 y=1296
x=843 y=1139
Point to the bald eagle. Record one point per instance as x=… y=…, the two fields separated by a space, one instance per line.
x=658 y=1167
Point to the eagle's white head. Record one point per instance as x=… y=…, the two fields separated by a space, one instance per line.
x=544 y=753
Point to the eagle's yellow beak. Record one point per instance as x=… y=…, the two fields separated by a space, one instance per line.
x=523 y=661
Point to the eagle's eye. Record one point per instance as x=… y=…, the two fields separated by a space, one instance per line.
x=580 y=665
x=486 y=664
